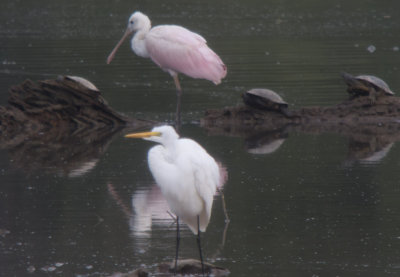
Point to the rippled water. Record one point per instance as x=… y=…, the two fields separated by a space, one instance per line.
x=312 y=204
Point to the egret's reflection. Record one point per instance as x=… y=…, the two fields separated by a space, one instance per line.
x=150 y=208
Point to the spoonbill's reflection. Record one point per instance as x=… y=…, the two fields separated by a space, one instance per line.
x=188 y=177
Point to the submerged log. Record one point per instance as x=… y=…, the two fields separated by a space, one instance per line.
x=350 y=114
x=61 y=126
x=371 y=128
x=65 y=104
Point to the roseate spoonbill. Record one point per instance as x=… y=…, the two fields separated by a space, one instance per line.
x=187 y=175
x=173 y=48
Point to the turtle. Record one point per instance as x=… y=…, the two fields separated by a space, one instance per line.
x=84 y=82
x=265 y=99
x=366 y=85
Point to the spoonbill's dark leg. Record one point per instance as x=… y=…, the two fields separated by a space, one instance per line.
x=178 y=101
x=199 y=245
x=178 y=113
x=177 y=84
x=178 y=238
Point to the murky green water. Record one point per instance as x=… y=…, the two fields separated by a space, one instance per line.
x=317 y=206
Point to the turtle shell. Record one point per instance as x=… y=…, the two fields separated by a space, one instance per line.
x=83 y=82
x=262 y=98
x=362 y=84
x=377 y=82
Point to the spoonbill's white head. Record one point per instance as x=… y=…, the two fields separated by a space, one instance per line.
x=138 y=22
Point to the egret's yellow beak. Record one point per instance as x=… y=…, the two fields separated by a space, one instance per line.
x=143 y=135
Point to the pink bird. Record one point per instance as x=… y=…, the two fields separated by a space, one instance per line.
x=173 y=48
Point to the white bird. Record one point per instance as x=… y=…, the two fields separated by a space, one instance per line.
x=187 y=175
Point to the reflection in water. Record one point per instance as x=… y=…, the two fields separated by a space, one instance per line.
x=150 y=211
x=301 y=217
x=265 y=142
x=377 y=156
x=57 y=152
x=372 y=151
x=368 y=143
x=62 y=126
x=150 y=207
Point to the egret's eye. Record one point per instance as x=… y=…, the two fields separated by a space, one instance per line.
x=131 y=22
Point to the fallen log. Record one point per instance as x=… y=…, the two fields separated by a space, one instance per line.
x=352 y=113
x=64 y=104
x=371 y=128
x=61 y=126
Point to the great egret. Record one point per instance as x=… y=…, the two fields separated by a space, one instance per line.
x=173 y=48
x=187 y=175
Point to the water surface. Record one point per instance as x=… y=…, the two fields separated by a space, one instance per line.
x=319 y=205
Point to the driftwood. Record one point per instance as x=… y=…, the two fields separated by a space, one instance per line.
x=69 y=118
x=64 y=104
x=350 y=113
x=371 y=128
x=60 y=126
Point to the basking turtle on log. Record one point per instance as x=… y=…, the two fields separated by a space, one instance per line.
x=68 y=103
x=266 y=99
x=67 y=118
x=355 y=112
x=366 y=85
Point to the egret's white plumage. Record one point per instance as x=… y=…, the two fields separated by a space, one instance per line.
x=187 y=175
x=173 y=48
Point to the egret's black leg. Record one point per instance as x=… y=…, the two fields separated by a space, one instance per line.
x=199 y=245
x=178 y=238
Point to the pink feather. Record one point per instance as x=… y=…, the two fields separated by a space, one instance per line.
x=178 y=50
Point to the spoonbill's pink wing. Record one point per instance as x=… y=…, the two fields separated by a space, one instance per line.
x=178 y=50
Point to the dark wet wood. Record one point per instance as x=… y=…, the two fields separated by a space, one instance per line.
x=49 y=119
x=62 y=104
x=371 y=129
x=348 y=116
x=60 y=126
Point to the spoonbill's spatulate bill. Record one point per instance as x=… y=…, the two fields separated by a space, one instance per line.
x=187 y=175
x=173 y=48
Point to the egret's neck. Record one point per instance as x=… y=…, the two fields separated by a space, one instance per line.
x=138 y=42
x=171 y=149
